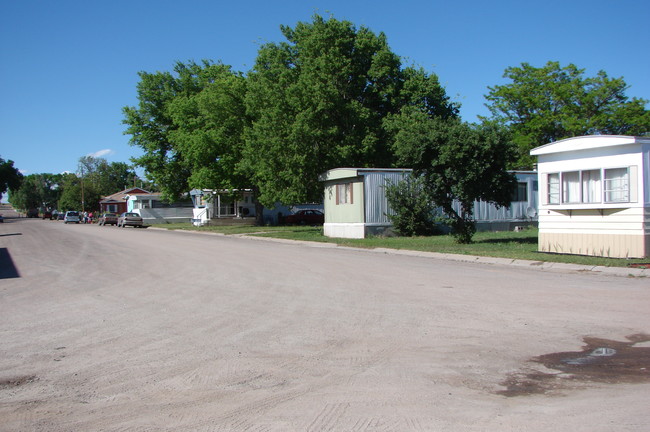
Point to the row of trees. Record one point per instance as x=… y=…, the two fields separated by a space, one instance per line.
x=95 y=178
x=331 y=95
x=334 y=95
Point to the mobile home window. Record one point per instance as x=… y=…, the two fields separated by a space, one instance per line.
x=591 y=188
x=521 y=192
x=571 y=187
x=344 y=193
x=553 y=188
x=617 y=185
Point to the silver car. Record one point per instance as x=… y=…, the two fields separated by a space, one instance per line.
x=129 y=219
x=71 y=217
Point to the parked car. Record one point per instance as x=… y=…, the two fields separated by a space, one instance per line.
x=71 y=217
x=47 y=214
x=108 y=219
x=305 y=217
x=130 y=219
x=1 y=219
x=61 y=216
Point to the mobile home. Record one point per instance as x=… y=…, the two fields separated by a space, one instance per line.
x=595 y=196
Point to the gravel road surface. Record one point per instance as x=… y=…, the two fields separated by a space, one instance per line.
x=111 y=329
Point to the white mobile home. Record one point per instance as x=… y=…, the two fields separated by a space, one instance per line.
x=595 y=196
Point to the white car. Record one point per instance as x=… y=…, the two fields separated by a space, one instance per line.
x=71 y=217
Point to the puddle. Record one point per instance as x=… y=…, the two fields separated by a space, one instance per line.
x=600 y=361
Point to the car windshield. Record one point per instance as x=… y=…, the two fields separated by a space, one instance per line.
x=73 y=213
x=132 y=215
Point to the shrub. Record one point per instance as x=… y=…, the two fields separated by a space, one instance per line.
x=412 y=210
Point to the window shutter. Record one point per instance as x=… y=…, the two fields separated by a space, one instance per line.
x=543 y=189
x=633 y=183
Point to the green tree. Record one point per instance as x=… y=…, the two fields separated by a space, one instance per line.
x=414 y=212
x=542 y=105
x=169 y=124
x=318 y=102
x=37 y=191
x=103 y=177
x=78 y=194
x=209 y=128
x=459 y=162
x=10 y=177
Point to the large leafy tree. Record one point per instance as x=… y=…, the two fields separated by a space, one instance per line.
x=318 y=100
x=208 y=130
x=458 y=162
x=549 y=103
x=10 y=177
x=172 y=124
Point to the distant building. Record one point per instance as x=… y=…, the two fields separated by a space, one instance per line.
x=116 y=203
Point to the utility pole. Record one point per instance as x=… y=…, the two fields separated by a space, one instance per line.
x=83 y=204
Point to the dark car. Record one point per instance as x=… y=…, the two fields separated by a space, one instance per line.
x=107 y=219
x=305 y=217
x=130 y=219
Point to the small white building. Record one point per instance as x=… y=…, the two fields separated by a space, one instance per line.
x=212 y=204
x=154 y=210
x=595 y=196
x=230 y=206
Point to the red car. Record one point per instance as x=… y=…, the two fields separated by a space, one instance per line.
x=305 y=217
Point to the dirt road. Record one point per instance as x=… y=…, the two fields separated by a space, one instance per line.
x=112 y=329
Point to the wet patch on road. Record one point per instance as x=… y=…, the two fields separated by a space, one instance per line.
x=600 y=361
x=16 y=381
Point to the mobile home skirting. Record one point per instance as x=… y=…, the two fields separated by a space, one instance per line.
x=602 y=245
x=344 y=229
x=615 y=233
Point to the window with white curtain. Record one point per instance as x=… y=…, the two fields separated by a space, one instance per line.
x=344 y=193
x=609 y=185
x=571 y=187
x=617 y=185
x=591 y=188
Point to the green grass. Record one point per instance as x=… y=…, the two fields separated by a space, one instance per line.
x=507 y=244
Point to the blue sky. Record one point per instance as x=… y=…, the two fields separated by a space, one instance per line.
x=68 y=67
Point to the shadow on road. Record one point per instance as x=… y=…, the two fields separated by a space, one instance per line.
x=7 y=268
